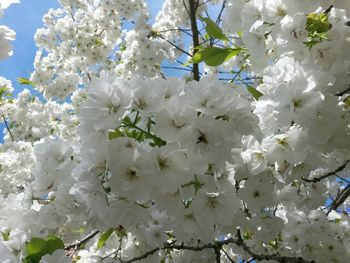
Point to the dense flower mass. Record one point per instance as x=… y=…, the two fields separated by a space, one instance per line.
x=6 y=34
x=122 y=163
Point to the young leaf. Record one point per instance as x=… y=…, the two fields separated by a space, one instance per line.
x=36 y=249
x=215 y=56
x=318 y=23
x=115 y=134
x=25 y=81
x=213 y=29
x=4 y=92
x=53 y=243
x=255 y=93
x=103 y=238
x=5 y=236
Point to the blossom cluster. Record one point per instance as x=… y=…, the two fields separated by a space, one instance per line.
x=138 y=165
x=6 y=34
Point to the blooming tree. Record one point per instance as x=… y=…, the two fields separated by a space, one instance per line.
x=243 y=158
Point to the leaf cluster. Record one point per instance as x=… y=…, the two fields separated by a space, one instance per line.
x=39 y=247
x=214 y=56
x=131 y=129
x=317 y=26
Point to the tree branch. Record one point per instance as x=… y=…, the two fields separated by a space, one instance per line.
x=318 y=179
x=8 y=128
x=218 y=255
x=178 y=68
x=175 y=46
x=341 y=93
x=218 y=19
x=340 y=199
x=276 y=257
x=217 y=247
x=193 y=5
x=176 y=29
x=82 y=241
x=228 y=256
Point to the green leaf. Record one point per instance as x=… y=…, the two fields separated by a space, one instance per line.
x=157 y=142
x=127 y=120
x=214 y=56
x=103 y=238
x=3 y=91
x=36 y=248
x=79 y=230
x=317 y=23
x=115 y=134
x=255 y=93
x=213 y=29
x=195 y=183
x=25 y=81
x=5 y=235
x=54 y=243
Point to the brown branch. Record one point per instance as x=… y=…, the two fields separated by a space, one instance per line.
x=193 y=5
x=203 y=3
x=341 y=93
x=82 y=241
x=228 y=256
x=318 y=179
x=176 y=29
x=218 y=19
x=184 y=3
x=174 y=45
x=218 y=255
x=217 y=247
x=178 y=68
x=8 y=128
x=89 y=77
x=276 y=257
x=340 y=199
x=328 y=10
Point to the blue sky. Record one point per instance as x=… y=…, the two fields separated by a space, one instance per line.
x=24 y=19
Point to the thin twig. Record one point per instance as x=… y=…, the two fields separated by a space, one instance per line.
x=228 y=256
x=341 y=93
x=183 y=63
x=217 y=246
x=82 y=241
x=238 y=73
x=205 y=2
x=174 y=45
x=328 y=9
x=8 y=128
x=176 y=29
x=340 y=199
x=318 y=179
x=188 y=11
x=276 y=257
x=343 y=179
x=178 y=68
x=218 y=19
